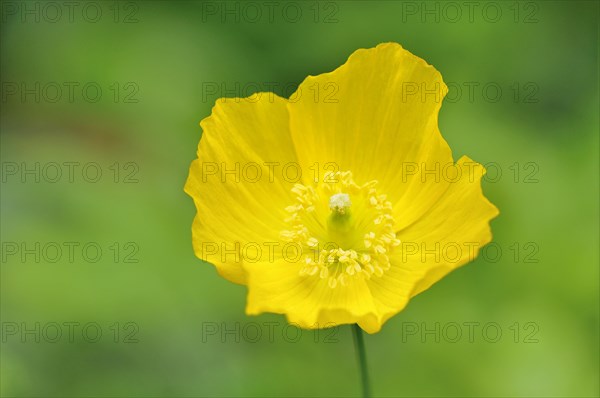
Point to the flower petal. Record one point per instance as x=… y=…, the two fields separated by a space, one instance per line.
x=376 y=116
x=308 y=301
x=237 y=209
x=447 y=237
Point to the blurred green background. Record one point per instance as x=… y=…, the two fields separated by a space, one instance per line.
x=162 y=311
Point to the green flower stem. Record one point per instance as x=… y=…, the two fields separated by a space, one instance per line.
x=359 y=345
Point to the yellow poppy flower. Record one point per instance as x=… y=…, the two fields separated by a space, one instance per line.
x=338 y=205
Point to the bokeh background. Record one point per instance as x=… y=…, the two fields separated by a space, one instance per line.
x=164 y=314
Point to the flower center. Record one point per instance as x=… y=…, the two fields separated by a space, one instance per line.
x=345 y=230
x=339 y=203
